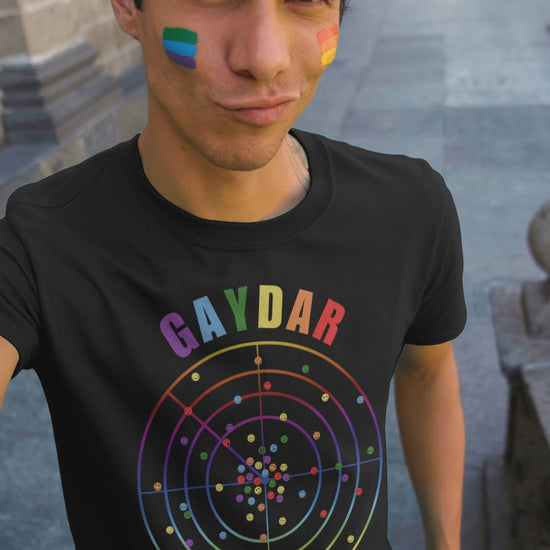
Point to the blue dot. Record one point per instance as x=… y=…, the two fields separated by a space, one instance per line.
x=302 y=494
x=223 y=535
x=241 y=468
x=251 y=501
x=360 y=400
x=238 y=399
x=273 y=448
x=265 y=473
x=183 y=506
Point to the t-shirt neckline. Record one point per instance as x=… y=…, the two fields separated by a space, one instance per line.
x=236 y=235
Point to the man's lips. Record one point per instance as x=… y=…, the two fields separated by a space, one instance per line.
x=259 y=113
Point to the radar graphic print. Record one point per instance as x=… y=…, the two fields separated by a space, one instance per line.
x=261 y=445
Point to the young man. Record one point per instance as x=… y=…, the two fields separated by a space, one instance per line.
x=216 y=307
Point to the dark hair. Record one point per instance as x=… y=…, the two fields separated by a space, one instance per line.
x=343 y=6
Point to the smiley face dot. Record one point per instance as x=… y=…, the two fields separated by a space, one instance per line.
x=247 y=490
x=284 y=439
x=261 y=507
x=314 y=471
x=257 y=361
x=195 y=377
x=272 y=467
x=345 y=477
x=239 y=498
x=219 y=487
x=267 y=385
x=251 y=438
x=170 y=530
x=258 y=490
x=229 y=428
x=323 y=514
x=241 y=468
x=283 y=467
x=187 y=514
x=263 y=537
x=350 y=538
x=273 y=448
x=325 y=397
x=280 y=489
x=360 y=400
x=183 y=506
x=258 y=465
x=370 y=450
x=237 y=399
x=359 y=491
x=188 y=411
x=250 y=461
x=222 y=535
x=283 y=417
x=316 y=436
x=249 y=517
x=338 y=466
x=251 y=501
x=204 y=455
x=189 y=543
x=184 y=441
x=282 y=520
x=157 y=486
x=279 y=498
x=302 y=494
x=305 y=369
x=227 y=442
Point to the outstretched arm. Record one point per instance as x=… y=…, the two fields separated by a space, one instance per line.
x=8 y=361
x=431 y=424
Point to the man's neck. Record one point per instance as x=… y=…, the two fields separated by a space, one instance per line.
x=227 y=195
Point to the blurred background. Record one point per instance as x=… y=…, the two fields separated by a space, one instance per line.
x=465 y=85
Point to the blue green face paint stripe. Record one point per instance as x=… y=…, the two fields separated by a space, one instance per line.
x=180 y=46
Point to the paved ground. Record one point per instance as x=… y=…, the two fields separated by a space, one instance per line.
x=464 y=84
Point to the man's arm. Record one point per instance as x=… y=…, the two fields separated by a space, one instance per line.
x=8 y=361
x=431 y=423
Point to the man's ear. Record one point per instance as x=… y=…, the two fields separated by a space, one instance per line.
x=126 y=14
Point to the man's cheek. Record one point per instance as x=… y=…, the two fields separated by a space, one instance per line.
x=328 y=39
x=180 y=46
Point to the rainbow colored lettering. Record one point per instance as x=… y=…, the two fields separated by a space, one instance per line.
x=328 y=38
x=180 y=46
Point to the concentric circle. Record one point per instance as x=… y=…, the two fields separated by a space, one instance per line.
x=262 y=444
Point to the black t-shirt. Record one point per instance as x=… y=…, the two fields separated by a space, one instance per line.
x=224 y=385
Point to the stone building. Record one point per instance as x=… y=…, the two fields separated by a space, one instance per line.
x=65 y=68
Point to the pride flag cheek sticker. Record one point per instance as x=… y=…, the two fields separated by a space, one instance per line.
x=180 y=46
x=328 y=38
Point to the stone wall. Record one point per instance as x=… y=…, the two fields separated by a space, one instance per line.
x=35 y=31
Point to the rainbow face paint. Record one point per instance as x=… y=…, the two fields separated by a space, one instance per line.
x=180 y=46
x=328 y=38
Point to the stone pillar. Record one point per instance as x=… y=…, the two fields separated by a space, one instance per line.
x=521 y=319
x=58 y=59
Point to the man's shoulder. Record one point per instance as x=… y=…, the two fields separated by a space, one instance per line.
x=61 y=188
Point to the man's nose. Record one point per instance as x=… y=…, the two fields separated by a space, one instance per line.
x=260 y=47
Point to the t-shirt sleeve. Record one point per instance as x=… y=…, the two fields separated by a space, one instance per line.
x=441 y=315
x=19 y=304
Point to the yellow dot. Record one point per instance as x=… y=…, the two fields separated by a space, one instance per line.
x=258 y=465
x=258 y=490
x=219 y=487
x=249 y=517
x=170 y=530
x=351 y=538
x=195 y=377
x=283 y=417
x=283 y=467
x=280 y=489
x=251 y=438
x=282 y=521
x=325 y=397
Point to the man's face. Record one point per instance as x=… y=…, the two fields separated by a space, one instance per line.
x=256 y=67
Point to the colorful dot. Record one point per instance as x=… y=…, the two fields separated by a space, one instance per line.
x=249 y=517
x=267 y=459
x=261 y=507
x=170 y=530
x=265 y=473
x=251 y=501
x=157 y=486
x=286 y=477
x=241 y=468
x=345 y=477
x=272 y=483
x=187 y=514
x=359 y=491
x=284 y=439
x=302 y=494
x=360 y=400
x=278 y=476
x=195 y=377
x=370 y=450
x=238 y=399
x=314 y=470
x=183 y=506
x=249 y=476
x=257 y=481
x=259 y=465
x=273 y=448
x=258 y=490
x=184 y=441
x=263 y=537
x=270 y=495
x=227 y=442
x=204 y=455
x=188 y=411
x=251 y=438
x=323 y=513
x=247 y=490
x=282 y=520
x=305 y=369
x=325 y=397
x=338 y=465
x=316 y=435
x=250 y=461
x=261 y=450
x=351 y=538
x=283 y=467
x=267 y=386
x=280 y=489
x=280 y=498
x=240 y=479
x=219 y=487
x=189 y=543
x=239 y=498
x=272 y=467
x=222 y=535
x=258 y=360
x=283 y=417
x=229 y=429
